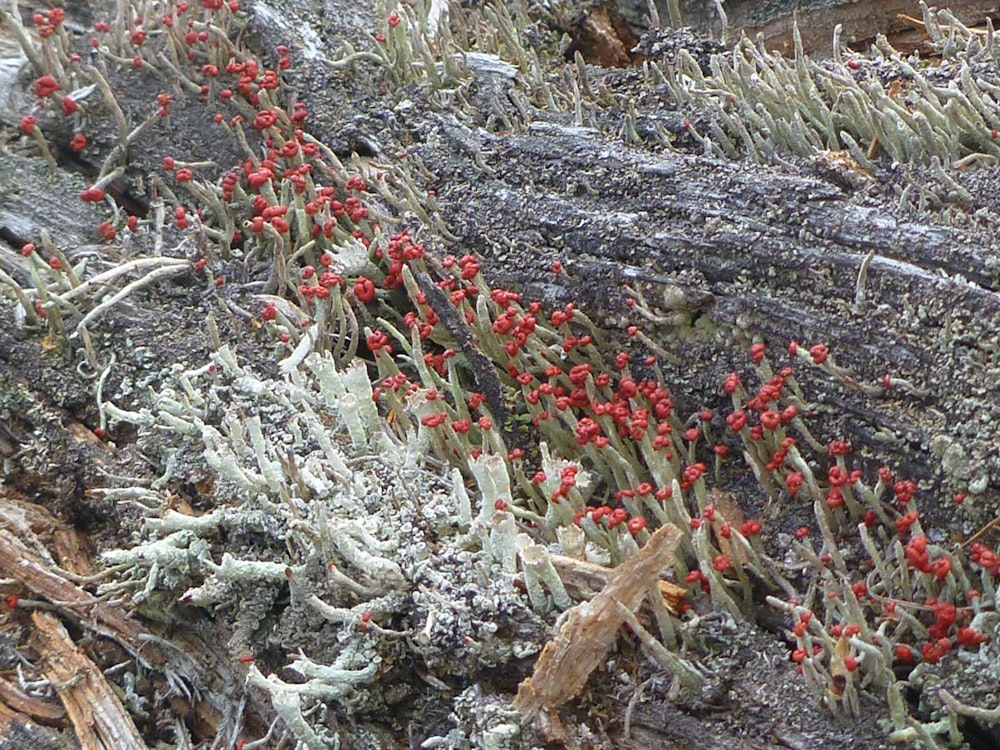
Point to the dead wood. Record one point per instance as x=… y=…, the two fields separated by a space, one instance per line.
x=757 y=252
x=769 y=254
x=583 y=579
x=775 y=21
x=100 y=720
x=591 y=628
x=14 y=700
x=19 y=562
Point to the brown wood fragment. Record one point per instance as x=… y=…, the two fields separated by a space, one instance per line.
x=100 y=720
x=603 y=37
x=839 y=672
x=894 y=89
x=19 y=562
x=72 y=550
x=727 y=510
x=39 y=709
x=25 y=559
x=590 y=628
x=583 y=579
x=7 y=715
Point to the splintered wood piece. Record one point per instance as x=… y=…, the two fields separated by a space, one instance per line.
x=72 y=552
x=33 y=524
x=100 y=720
x=583 y=578
x=590 y=628
x=16 y=700
x=7 y=714
x=727 y=507
x=17 y=561
x=24 y=558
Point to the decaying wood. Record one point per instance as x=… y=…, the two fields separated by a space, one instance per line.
x=776 y=251
x=100 y=720
x=15 y=700
x=775 y=21
x=778 y=254
x=583 y=578
x=33 y=523
x=603 y=37
x=590 y=629
x=859 y=22
x=29 y=537
x=19 y=562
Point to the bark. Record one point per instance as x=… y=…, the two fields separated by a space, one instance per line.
x=765 y=253
x=817 y=19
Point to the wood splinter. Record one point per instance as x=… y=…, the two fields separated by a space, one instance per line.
x=590 y=628
x=99 y=718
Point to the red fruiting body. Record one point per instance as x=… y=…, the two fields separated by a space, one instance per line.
x=635 y=525
x=46 y=86
x=932 y=652
x=364 y=290
x=794 y=482
x=916 y=553
x=770 y=420
x=904 y=491
x=941 y=568
x=904 y=522
x=967 y=636
x=737 y=420
x=839 y=448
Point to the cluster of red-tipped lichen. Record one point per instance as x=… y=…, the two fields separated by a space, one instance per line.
x=611 y=419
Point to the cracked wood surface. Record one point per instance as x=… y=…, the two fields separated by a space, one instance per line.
x=768 y=253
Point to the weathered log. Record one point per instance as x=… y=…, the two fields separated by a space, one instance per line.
x=817 y=19
x=778 y=253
